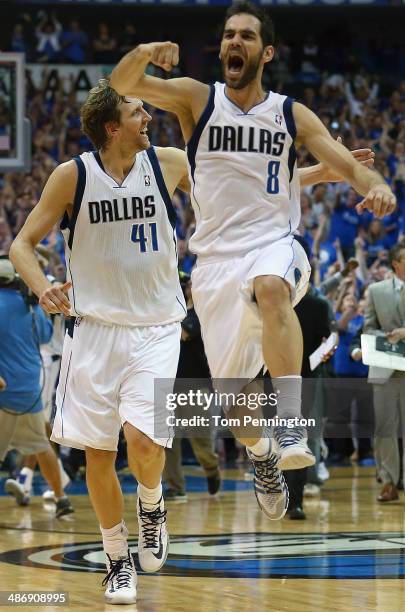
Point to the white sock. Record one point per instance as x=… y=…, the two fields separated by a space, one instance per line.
x=64 y=477
x=115 y=540
x=25 y=478
x=261 y=447
x=288 y=389
x=149 y=497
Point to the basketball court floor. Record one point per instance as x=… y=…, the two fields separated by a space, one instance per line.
x=224 y=555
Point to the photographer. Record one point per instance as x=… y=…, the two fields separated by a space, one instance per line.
x=23 y=328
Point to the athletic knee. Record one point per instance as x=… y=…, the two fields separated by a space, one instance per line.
x=140 y=447
x=272 y=295
x=99 y=460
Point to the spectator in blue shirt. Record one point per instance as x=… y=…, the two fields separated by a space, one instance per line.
x=345 y=222
x=376 y=241
x=23 y=328
x=74 y=43
x=345 y=423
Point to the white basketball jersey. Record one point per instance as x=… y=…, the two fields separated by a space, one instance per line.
x=121 y=251
x=243 y=172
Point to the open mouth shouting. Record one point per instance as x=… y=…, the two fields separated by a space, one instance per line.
x=235 y=64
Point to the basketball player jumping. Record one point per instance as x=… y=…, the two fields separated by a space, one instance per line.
x=123 y=285
x=251 y=271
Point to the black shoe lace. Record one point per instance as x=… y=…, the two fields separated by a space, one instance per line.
x=121 y=569
x=288 y=436
x=268 y=475
x=150 y=524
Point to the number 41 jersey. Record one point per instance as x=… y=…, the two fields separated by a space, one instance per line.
x=243 y=172
x=121 y=252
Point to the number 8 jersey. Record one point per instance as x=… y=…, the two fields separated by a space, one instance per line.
x=121 y=252
x=243 y=172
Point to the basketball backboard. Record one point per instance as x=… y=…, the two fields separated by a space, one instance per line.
x=15 y=137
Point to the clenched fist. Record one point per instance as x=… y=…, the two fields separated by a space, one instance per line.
x=162 y=54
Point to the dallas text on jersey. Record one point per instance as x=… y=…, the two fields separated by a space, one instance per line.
x=245 y=139
x=122 y=209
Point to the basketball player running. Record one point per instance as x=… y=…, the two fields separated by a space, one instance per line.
x=123 y=287
x=251 y=271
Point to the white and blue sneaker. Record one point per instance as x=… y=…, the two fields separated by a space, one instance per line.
x=153 y=539
x=270 y=486
x=291 y=445
x=120 y=580
x=16 y=489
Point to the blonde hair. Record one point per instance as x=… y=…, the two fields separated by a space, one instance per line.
x=101 y=107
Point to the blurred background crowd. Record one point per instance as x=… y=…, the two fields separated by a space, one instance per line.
x=356 y=94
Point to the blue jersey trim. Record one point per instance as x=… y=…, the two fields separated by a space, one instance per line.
x=77 y=202
x=245 y=113
x=64 y=224
x=292 y=158
x=182 y=305
x=171 y=213
x=98 y=160
x=101 y=165
x=292 y=130
x=289 y=117
x=196 y=135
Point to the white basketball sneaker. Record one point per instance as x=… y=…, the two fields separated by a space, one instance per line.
x=270 y=486
x=17 y=490
x=291 y=445
x=49 y=495
x=120 y=580
x=153 y=539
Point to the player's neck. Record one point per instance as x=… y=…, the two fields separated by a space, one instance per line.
x=249 y=96
x=117 y=161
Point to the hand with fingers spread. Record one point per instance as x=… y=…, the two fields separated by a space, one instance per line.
x=380 y=201
x=162 y=54
x=54 y=299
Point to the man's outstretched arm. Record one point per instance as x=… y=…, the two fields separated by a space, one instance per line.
x=378 y=197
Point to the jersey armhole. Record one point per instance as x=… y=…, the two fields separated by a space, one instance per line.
x=153 y=158
x=192 y=144
x=70 y=223
x=289 y=117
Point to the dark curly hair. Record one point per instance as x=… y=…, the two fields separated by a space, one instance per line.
x=266 y=24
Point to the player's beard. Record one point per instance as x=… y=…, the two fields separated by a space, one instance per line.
x=249 y=73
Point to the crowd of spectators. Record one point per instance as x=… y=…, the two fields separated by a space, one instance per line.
x=44 y=38
x=353 y=106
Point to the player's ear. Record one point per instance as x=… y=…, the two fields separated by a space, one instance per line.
x=268 y=53
x=111 y=128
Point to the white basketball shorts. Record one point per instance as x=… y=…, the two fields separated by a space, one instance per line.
x=230 y=320
x=50 y=374
x=107 y=378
